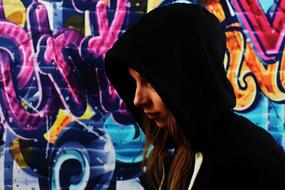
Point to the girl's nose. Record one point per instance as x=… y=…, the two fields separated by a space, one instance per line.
x=140 y=98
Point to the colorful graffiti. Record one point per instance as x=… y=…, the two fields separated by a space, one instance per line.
x=57 y=107
x=255 y=59
x=58 y=110
x=265 y=27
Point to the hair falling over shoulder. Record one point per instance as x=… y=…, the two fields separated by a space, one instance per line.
x=177 y=176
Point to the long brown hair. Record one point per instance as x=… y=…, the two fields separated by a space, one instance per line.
x=180 y=171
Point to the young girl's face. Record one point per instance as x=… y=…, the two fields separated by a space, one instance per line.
x=148 y=99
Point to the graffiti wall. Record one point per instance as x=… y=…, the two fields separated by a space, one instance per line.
x=64 y=126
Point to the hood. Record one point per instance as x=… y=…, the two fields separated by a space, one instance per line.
x=180 y=50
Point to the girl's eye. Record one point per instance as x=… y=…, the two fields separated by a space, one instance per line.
x=144 y=81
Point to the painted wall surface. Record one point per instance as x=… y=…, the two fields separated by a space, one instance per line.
x=63 y=124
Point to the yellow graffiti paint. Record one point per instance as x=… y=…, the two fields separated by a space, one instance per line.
x=17 y=154
x=151 y=4
x=87 y=28
x=267 y=77
x=88 y=113
x=282 y=70
x=62 y=120
x=15 y=11
x=106 y=2
x=246 y=72
x=24 y=105
x=75 y=22
x=245 y=88
x=216 y=8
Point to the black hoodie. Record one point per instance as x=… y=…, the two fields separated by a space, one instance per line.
x=180 y=49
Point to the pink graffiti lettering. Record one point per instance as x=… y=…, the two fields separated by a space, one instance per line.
x=44 y=61
x=19 y=116
x=99 y=45
x=267 y=37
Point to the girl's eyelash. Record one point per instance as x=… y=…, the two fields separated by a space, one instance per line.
x=144 y=80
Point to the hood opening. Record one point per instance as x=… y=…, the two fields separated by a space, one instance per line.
x=179 y=49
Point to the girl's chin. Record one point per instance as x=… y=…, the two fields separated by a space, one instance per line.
x=160 y=124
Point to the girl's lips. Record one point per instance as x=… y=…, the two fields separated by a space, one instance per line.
x=152 y=115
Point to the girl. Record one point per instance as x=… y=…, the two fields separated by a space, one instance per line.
x=168 y=69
